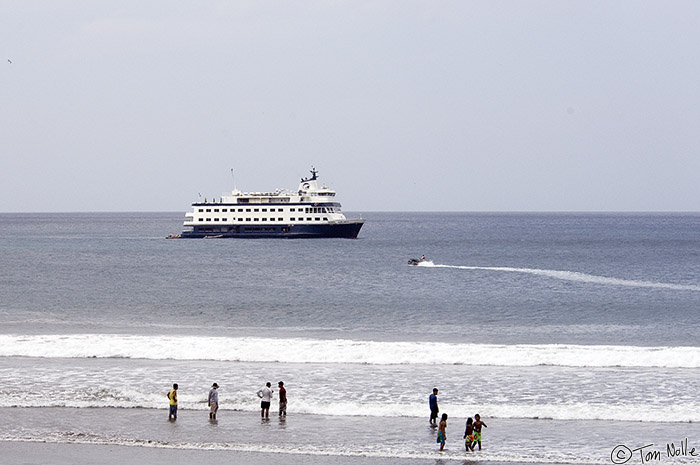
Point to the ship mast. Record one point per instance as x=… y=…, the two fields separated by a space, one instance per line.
x=313 y=177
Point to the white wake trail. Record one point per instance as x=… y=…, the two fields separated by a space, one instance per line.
x=574 y=276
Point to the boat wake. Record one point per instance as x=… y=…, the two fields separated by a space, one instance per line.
x=573 y=276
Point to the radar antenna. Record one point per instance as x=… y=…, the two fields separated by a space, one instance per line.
x=313 y=177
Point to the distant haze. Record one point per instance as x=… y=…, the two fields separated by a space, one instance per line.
x=558 y=105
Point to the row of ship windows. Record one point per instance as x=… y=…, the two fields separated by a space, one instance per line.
x=261 y=219
x=301 y=210
x=246 y=229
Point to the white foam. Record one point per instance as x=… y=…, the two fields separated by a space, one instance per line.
x=636 y=412
x=574 y=276
x=342 y=351
x=454 y=454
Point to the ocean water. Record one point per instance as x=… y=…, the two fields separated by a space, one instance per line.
x=571 y=334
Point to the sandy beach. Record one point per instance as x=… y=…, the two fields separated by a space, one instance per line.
x=117 y=436
x=42 y=453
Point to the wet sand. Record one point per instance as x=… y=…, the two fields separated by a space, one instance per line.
x=109 y=436
x=42 y=453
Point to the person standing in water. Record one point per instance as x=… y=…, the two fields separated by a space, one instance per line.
x=433 y=403
x=477 y=429
x=442 y=435
x=213 y=401
x=172 y=396
x=469 y=435
x=283 y=399
x=266 y=395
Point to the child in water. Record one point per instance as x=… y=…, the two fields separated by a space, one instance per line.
x=477 y=429
x=469 y=435
x=442 y=437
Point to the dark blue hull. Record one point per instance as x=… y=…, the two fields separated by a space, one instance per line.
x=346 y=230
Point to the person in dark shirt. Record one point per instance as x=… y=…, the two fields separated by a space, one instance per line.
x=433 y=402
x=283 y=399
x=469 y=435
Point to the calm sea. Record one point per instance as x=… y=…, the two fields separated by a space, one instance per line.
x=548 y=325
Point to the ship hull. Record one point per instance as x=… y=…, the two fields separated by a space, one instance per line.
x=342 y=230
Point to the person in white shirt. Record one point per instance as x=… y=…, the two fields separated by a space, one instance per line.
x=266 y=395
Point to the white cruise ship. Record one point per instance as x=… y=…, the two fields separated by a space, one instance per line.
x=310 y=211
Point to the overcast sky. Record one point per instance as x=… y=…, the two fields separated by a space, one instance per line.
x=401 y=105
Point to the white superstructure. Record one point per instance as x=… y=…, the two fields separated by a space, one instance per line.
x=310 y=211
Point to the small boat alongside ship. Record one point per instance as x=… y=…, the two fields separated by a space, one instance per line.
x=309 y=212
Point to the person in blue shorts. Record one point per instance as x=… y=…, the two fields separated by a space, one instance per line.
x=172 y=396
x=442 y=436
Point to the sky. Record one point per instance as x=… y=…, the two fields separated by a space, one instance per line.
x=404 y=105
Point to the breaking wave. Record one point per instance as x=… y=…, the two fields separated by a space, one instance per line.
x=342 y=351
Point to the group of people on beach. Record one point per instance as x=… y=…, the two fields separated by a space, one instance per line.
x=265 y=394
x=472 y=433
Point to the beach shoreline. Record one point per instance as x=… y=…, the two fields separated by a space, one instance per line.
x=51 y=453
x=114 y=436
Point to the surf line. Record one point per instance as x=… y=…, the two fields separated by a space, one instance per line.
x=578 y=277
